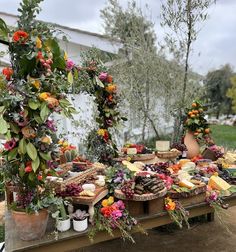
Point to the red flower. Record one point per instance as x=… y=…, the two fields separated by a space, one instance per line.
x=40 y=177
x=20 y=36
x=9 y=145
x=40 y=55
x=7 y=71
x=28 y=169
x=106 y=136
x=110 y=98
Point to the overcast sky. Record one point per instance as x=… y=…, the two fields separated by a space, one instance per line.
x=216 y=44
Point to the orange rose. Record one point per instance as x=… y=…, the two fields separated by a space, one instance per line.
x=52 y=102
x=7 y=71
x=110 y=98
x=111 y=88
x=20 y=36
x=44 y=96
x=28 y=132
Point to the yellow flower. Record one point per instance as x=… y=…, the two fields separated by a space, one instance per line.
x=110 y=200
x=111 y=88
x=65 y=56
x=46 y=140
x=105 y=203
x=101 y=132
x=44 y=95
x=38 y=43
x=65 y=144
x=36 y=83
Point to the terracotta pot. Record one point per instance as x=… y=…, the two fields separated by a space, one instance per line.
x=30 y=226
x=191 y=144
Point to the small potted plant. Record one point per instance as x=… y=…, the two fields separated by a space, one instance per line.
x=80 y=220
x=61 y=216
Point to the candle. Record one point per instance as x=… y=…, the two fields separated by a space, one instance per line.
x=162 y=145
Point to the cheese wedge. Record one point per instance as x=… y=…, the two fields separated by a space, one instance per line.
x=215 y=182
x=186 y=183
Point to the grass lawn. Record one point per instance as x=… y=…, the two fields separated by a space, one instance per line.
x=224 y=135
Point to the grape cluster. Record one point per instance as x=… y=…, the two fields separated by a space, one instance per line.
x=226 y=176
x=72 y=189
x=160 y=167
x=24 y=199
x=179 y=146
x=128 y=188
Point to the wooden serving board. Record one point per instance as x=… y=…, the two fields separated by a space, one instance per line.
x=195 y=191
x=144 y=197
x=100 y=192
x=138 y=157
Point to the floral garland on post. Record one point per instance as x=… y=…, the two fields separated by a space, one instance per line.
x=195 y=122
x=32 y=89
x=93 y=78
x=177 y=212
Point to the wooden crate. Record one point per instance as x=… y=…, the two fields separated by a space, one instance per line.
x=156 y=206
x=135 y=208
x=193 y=200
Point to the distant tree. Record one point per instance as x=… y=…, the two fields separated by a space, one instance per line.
x=183 y=18
x=217 y=83
x=231 y=92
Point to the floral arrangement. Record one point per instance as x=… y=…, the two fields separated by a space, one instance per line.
x=195 y=122
x=93 y=78
x=32 y=89
x=111 y=215
x=177 y=212
x=214 y=199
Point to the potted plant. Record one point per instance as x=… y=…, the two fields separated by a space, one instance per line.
x=31 y=90
x=61 y=216
x=80 y=220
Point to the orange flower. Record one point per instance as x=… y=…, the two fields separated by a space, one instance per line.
x=110 y=98
x=111 y=88
x=169 y=204
x=44 y=96
x=7 y=71
x=28 y=132
x=52 y=102
x=109 y=78
x=20 y=36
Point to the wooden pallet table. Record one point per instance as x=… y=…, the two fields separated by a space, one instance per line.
x=71 y=240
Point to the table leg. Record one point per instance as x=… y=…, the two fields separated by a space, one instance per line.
x=91 y=213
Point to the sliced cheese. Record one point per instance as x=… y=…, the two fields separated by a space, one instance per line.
x=186 y=183
x=215 y=182
x=130 y=166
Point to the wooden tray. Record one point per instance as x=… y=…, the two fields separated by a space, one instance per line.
x=144 y=197
x=167 y=154
x=195 y=191
x=137 y=157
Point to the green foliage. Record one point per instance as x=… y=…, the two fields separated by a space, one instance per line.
x=231 y=92
x=217 y=83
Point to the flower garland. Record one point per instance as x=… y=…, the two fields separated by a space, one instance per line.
x=93 y=78
x=111 y=215
x=33 y=89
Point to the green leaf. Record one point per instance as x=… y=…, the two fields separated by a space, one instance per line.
x=12 y=154
x=33 y=104
x=45 y=156
x=99 y=83
x=22 y=146
x=14 y=128
x=35 y=164
x=3 y=29
x=64 y=103
x=2 y=109
x=37 y=118
x=70 y=78
x=44 y=111
x=31 y=151
x=31 y=176
x=3 y=126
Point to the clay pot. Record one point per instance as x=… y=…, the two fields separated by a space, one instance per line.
x=30 y=226
x=191 y=144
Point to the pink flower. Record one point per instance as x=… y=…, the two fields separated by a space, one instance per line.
x=9 y=145
x=120 y=204
x=69 y=65
x=116 y=214
x=102 y=76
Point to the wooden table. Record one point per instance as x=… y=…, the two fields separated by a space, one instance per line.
x=72 y=240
